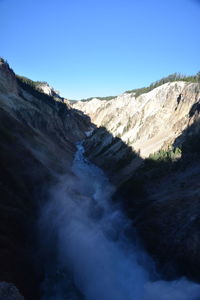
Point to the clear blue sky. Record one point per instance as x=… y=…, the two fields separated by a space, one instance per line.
x=100 y=47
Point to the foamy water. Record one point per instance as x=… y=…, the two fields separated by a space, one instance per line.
x=88 y=254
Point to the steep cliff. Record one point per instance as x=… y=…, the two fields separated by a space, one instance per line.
x=37 y=138
x=162 y=199
x=160 y=193
x=146 y=124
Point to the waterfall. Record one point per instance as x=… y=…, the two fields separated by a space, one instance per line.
x=87 y=246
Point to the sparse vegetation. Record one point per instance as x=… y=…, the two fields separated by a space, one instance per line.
x=100 y=98
x=161 y=162
x=32 y=87
x=29 y=82
x=154 y=167
x=170 y=78
x=166 y=155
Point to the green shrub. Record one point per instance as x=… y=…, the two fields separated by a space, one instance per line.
x=166 y=155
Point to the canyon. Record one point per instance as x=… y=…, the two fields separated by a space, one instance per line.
x=128 y=195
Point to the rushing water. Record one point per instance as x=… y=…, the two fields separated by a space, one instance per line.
x=88 y=254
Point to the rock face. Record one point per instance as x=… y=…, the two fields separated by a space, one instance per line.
x=147 y=123
x=160 y=196
x=37 y=138
x=49 y=90
x=162 y=199
x=9 y=292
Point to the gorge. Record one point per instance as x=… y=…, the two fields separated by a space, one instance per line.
x=85 y=212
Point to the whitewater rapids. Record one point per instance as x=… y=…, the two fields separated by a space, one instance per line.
x=87 y=251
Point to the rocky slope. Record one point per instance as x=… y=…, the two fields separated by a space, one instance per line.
x=37 y=138
x=165 y=109
x=146 y=124
x=162 y=199
x=9 y=292
x=160 y=194
x=47 y=89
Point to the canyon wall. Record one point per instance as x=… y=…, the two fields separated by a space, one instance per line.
x=159 y=193
x=37 y=137
x=145 y=124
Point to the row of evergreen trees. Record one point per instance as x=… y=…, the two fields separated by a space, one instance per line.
x=170 y=78
x=31 y=83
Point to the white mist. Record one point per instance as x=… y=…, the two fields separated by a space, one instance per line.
x=87 y=253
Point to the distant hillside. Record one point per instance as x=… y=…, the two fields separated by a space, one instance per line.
x=170 y=78
x=147 y=123
x=99 y=98
x=137 y=92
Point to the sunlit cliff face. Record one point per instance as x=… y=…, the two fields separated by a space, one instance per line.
x=147 y=123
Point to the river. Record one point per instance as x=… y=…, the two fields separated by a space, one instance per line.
x=86 y=245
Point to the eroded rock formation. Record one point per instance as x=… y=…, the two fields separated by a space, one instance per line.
x=146 y=124
x=37 y=138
